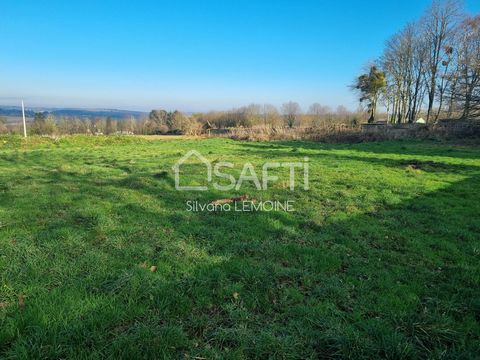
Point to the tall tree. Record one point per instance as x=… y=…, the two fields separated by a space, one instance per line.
x=403 y=61
x=439 y=24
x=466 y=92
x=445 y=79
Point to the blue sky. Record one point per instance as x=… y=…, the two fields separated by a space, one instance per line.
x=192 y=55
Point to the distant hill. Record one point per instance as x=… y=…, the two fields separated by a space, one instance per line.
x=16 y=111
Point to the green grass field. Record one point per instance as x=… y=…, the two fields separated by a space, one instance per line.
x=379 y=260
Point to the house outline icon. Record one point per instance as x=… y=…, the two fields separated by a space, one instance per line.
x=176 y=169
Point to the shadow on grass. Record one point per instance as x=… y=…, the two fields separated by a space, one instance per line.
x=423 y=148
x=402 y=282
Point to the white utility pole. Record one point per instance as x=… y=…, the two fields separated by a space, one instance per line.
x=24 y=123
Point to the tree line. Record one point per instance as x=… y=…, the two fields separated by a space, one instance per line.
x=160 y=122
x=429 y=68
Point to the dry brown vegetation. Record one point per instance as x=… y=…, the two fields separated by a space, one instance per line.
x=336 y=133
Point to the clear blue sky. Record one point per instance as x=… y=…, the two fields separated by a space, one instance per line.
x=192 y=55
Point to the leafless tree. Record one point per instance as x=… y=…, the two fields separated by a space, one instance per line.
x=318 y=113
x=291 y=110
x=317 y=109
x=465 y=89
x=439 y=24
x=270 y=115
x=423 y=60
x=404 y=61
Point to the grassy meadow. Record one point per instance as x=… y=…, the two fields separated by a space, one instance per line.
x=380 y=258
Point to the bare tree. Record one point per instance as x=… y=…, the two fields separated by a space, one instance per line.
x=253 y=114
x=419 y=64
x=397 y=61
x=421 y=61
x=318 y=113
x=270 y=114
x=445 y=79
x=291 y=111
x=342 y=110
x=439 y=24
x=318 y=109
x=465 y=90
x=404 y=64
